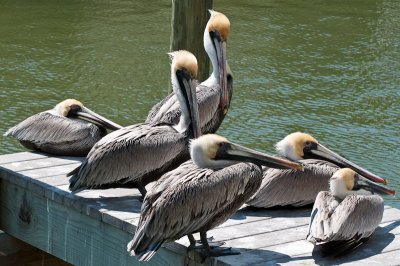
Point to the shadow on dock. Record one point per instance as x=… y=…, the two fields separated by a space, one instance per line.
x=372 y=247
x=284 y=212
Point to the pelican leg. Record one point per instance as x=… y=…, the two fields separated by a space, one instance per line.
x=209 y=251
x=211 y=242
x=142 y=190
x=192 y=242
x=197 y=244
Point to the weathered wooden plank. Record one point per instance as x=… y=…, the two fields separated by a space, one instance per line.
x=386 y=258
x=67 y=234
x=382 y=249
x=255 y=228
x=38 y=163
x=24 y=177
x=21 y=156
x=53 y=181
x=264 y=237
x=118 y=212
x=39 y=186
x=249 y=214
x=50 y=171
x=109 y=193
x=283 y=244
x=296 y=233
x=58 y=193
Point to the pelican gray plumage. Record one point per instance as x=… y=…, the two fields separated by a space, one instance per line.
x=63 y=130
x=200 y=194
x=139 y=154
x=291 y=188
x=345 y=217
x=214 y=94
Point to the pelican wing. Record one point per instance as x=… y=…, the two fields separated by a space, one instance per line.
x=189 y=199
x=169 y=111
x=129 y=154
x=356 y=217
x=56 y=134
x=320 y=222
x=290 y=187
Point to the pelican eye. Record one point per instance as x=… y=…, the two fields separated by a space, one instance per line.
x=309 y=145
x=74 y=108
x=222 y=151
x=215 y=35
x=183 y=73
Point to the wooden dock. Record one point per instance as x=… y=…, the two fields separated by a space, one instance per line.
x=93 y=227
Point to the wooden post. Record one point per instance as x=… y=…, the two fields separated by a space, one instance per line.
x=189 y=19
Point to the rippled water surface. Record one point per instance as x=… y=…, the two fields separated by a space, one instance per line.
x=329 y=68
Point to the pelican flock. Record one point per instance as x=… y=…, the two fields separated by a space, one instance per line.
x=347 y=215
x=200 y=194
x=294 y=188
x=69 y=129
x=200 y=181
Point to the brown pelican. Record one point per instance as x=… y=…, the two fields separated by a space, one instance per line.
x=345 y=217
x=139 y=154
x=62 y=130
x=294 y=188
x=214 y=94
x=200 y=194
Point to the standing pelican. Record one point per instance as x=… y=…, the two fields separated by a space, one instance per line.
x=214 y=94
x=140 y=154
x=200 y=194
x=62 y=130
x=293 y=188
x=345 y=217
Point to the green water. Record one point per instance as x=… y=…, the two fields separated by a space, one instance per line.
x=329 y=68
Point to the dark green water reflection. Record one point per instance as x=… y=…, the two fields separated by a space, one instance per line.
x=329 y=68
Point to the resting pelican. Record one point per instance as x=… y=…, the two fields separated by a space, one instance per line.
x=200 y=194
x=345 y=217
x=62 y=130
x=140 y=154
x=286 y=187
x=214 y=94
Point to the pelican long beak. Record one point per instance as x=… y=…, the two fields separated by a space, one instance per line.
x=326 y=154
x=235 y=152
x=364 y=183
x=92 y=117
x=220 y=48
x=188 y=86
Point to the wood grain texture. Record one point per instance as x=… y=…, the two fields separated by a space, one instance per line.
x=189 y=19
x=67 y=234
x=21 y=156
x=92 y=227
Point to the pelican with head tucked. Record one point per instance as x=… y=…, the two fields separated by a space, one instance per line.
x=290 y=188
x=63 y=130
x=345 y=217
x=140 y=154
x=214 y=94
x=200 y=194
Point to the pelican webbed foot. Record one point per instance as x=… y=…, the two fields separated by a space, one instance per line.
x=214 y=251
x=197 y=244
